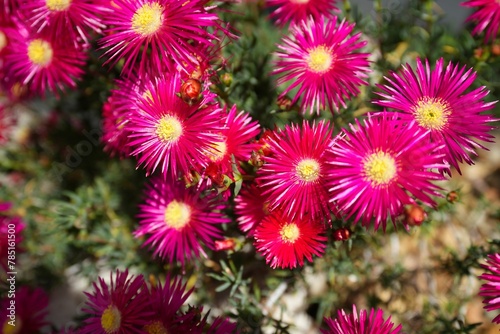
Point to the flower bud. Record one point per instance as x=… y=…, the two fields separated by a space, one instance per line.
x=414 y=215
x=227 y=79
x=284 y=103
x=224 y=245
x=341 y=234
x=191 y=91
x=452 y=197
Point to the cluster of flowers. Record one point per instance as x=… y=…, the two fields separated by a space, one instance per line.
x=162 y=113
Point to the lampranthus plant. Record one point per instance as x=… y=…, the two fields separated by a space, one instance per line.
x=42 y=63
x=320 y=64
x=75 y=17
x=490 y=291
x=286 y=242
x=149 y=34
x=30 y=311
x=486 y=17
x=379 y=166
x=293 y=12
x=362 y=323
x=120 y=306
x=179 y=221
x=439 y=102
x=293 y=176
x=170 y=134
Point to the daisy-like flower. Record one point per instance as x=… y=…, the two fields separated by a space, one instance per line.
x=167 y=300
x=123 y=306
x=250 y=208
x=145 y=32
x=178 y=220
x=28 y=313
x=491 y=290
x=293 y=176
x=487 y=17
x=362 y=323
x=286 y=242
x=296 y=11
x=75 y=17
x=380 y=166
x=319 y=59
x=437 y=100
x=232 y=141
x=168 y=133
x=42 y=63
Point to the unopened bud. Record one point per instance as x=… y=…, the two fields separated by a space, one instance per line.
x=452 y=196
x=284 y=103
x=224 y=245
x=191 y=91
x=227 y=79
x=415 y=215
x=495 y=50
x=341 y=234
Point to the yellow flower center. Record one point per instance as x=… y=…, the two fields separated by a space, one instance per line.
x=148 y=19
x=380 y=168
x=3 y=40
x=57 y=5
x=308 y=170
x=40 y=52
x=9 y=329
x=432 y=113
x=168 y=129
x=111 y=319
x=290 y=233
x=218 y=150
x=177 y=215
x=319 y=59
x=156 y=327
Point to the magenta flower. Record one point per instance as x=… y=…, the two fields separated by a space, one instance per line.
x=250 y=208
x=491 y=290
x=293 y=176
x=146 y=33
x=179 y=220
x=233 y=141
x=75 y=17
x=364 y=323
x=319 y=60
x=30 y=311
x=121 y=307
x=487 y=17
x=297 y=11
x=41 y=63
x=381 y=165
x=438 y=102
x=286 y=242
x=167 y=132
x=166 y=301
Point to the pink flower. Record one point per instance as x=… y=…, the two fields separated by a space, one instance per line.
x=381 y=165
x=75 y=17
x=41 y=63
x=123 y=306
x=166 y=29
x=168 y=133
x=362 y=323
x=491 y=290
x=179 y=220
x=250 y=208
x=319 y=60
x=296 y=11
x=293 y=177
x=30 y=311
x=487 y=17
x=285 y=242
x=438 y=102
x=11 y=228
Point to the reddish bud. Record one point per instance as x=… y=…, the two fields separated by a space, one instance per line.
x=341 y=234
x=215 y=174
x=415 y=215
x=224 y=245
x=495 y=50
x=284 y=103
x=478 y=53
x=452 y=197
x=191 y=91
